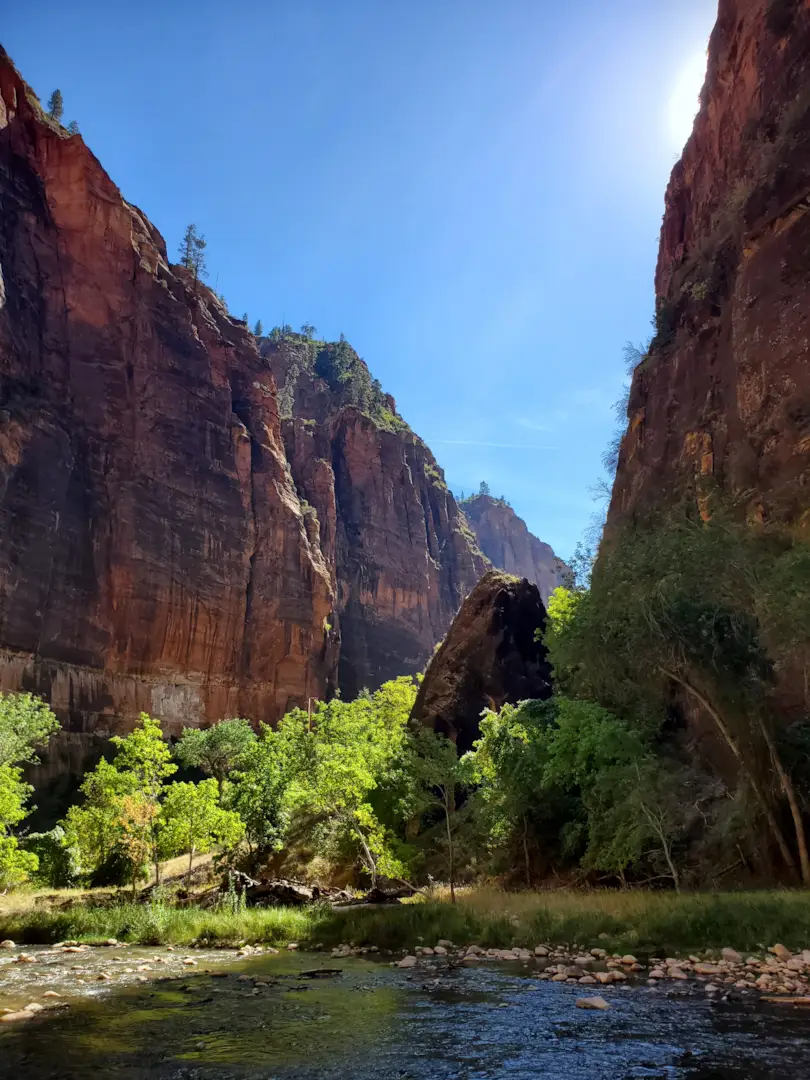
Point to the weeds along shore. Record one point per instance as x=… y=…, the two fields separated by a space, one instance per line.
x=652 y=922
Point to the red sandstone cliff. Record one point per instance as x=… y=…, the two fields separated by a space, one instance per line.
x=506 y=541
x=154 y=553
x=724 y=396
x=400 y=551
x=171 y=539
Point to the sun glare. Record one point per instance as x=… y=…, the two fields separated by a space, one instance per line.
x=683 y=101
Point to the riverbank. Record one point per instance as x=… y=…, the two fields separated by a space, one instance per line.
x=645 y=922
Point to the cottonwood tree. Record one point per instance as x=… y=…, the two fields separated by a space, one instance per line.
x=441 y=776
x=695 y=607
x=192 y=820
x=218 y=749
x=26 y=724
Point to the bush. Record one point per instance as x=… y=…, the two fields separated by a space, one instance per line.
x=58 y=859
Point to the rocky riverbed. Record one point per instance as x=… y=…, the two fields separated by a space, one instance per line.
x=439 y=1011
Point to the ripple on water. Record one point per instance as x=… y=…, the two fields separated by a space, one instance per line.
x=375 y=1023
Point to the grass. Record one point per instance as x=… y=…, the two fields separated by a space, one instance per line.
x=644 y=922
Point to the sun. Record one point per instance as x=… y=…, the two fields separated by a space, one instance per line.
x=683 y=105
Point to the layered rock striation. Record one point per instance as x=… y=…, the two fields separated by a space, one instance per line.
x=490 y=657
x=400 y=552
x=722 y=401
x=154 y=553
x=506 y=541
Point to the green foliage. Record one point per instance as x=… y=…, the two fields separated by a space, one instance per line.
x=218 y=749
x=257 y=793
x=704 y=612
x=440 y=780
x=192 y=820
x=192 y=252
x=58 y=859
x=483 y=488
x=258 y=329
x=348 y=759
x=308 y=331
x=73 y=128
x=56 y=106
x=15 y=864
x=26 y=723
x=348 y=377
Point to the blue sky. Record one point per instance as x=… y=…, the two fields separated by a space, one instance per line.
x=469 y=190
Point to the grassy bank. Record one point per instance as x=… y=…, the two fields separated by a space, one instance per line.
x=645 y=922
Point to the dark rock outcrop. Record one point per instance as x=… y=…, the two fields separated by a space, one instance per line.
x=506 y=541
x=723 y=400
x=489 y=657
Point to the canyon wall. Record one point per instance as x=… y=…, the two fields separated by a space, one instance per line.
x=722 y=401
x=506 y=541
x=171 y=539
x=400 y=552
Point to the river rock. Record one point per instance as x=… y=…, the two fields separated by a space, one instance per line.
x=407 y=962
x=445 y=944
x=592 y=1003
x=51 y=994
x=10 y=1018
x=628 y=958
x=440 y=950
x=731 y=955
x=780 y=952
x=540 y=950
x=33 y=1007
x=795 y=963
x=7 y=944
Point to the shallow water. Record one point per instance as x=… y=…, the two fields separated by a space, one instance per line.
x=372 y=1021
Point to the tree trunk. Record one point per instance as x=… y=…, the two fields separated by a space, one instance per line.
x=793 y=802
x=770 y=817
x=190 y=859
x=526 y=861
x=451 y=867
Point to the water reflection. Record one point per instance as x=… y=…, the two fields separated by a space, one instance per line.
x=374 y=1022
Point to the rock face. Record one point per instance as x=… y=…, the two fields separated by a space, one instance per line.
x=175 y=535
x=488 y=658
x=399 y=550
x=723 y=399
x=154 y=553
x=506 y=541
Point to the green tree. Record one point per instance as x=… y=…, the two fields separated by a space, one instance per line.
x=308 y=331
x=192 y=820
x=16 y=865
x=258 y=791
x=192 y=252
x=524 y=814
x=346 y=752
x=218 y=749
x=56 y=106
x=95 y=826
x=693 y=611
x=258 y=329
x=442 y=777
x=26 y=723
x=145 y=757
x=483 y=488
x=73 y=128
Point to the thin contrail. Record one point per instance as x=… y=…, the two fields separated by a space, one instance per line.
x=497 y=445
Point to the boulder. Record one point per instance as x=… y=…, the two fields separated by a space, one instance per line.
x=489 y=657
x=592 y=1003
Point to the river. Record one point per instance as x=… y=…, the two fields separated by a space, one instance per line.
x=273 y=1016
